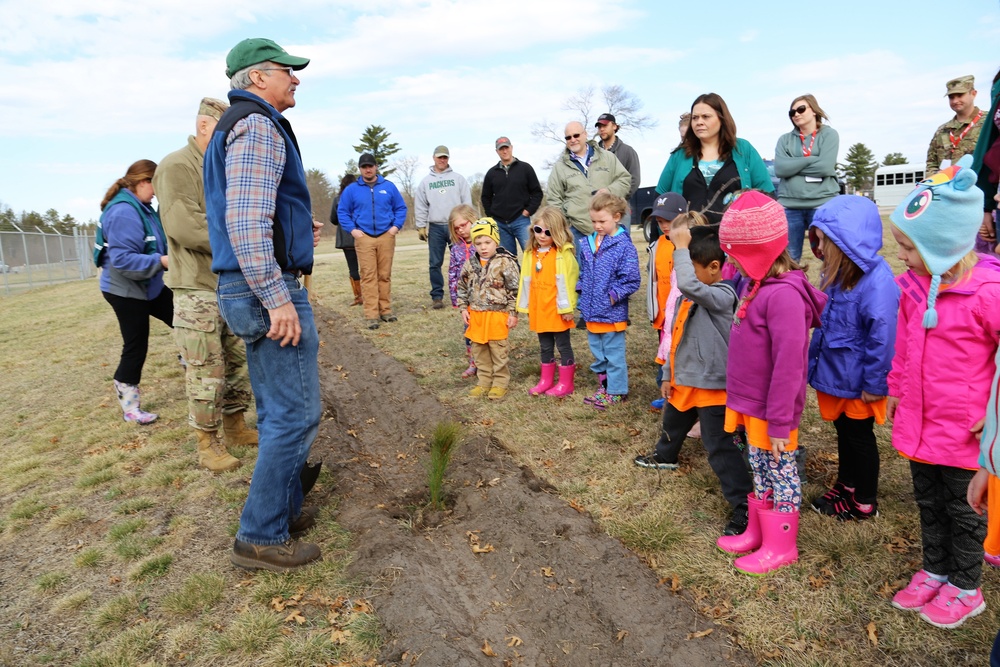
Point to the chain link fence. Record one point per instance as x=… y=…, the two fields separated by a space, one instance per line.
x=31 y=259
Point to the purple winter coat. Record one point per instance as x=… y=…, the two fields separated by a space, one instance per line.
x=608 y=277
x=766 y=372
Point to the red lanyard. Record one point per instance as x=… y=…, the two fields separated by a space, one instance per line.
x=806 y=152
x=951 y=135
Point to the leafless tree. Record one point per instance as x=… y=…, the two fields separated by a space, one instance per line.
x=625 y=106
x=404 y=173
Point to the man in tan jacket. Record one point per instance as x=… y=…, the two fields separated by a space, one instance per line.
x=217 y=382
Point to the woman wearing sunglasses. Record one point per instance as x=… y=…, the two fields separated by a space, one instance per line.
x=711 y=165
x=805 y=160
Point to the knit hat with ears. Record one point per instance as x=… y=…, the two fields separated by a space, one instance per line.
x=754 y=231
x=485 y=227
x=942 y=216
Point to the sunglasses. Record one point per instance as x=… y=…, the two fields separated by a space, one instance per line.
x=797 y=111
x=539 y=230
x=572 y=136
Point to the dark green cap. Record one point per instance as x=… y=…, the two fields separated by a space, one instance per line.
x=257 y=50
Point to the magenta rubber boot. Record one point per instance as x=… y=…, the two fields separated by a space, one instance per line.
x=779 y=531
x=545 y=383
x=750 y=539
x=564 y=387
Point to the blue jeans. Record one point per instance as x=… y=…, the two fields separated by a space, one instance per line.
x=285 y=382
x=578 y=236
x=609 y=358
x=438 y=238
x=799 y=220
x=514 y=232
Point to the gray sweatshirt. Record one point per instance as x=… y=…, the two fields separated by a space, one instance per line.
x=437 y=194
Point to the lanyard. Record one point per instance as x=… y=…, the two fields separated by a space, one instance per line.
x=806 y=152
x=951 y=135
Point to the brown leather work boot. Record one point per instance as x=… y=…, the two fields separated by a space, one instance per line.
x=274 y=557
x=356 y=287
x=305 y=522
x=236 y=433
x=213 y=455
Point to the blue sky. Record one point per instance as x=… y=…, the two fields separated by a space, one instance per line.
x=89 y=87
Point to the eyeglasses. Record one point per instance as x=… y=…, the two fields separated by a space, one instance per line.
x=572 y=136
x=797 y=111
x=539 y=230
x=288 y=70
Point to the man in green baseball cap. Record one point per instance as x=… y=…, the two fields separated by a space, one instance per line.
x=257 y=50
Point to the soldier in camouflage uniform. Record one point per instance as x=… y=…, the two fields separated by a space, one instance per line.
x=218 y=384
x=958 y=136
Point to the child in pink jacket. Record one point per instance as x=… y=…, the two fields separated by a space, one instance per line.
x=946 y=339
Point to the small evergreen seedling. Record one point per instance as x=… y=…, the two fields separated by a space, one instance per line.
x=443 y=444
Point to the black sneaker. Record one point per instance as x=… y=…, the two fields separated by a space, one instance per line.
x=653 y=462
x=737 y=521
x=822 y=503
x=858 y=514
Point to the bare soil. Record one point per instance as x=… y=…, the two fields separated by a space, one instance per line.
x=549 y=587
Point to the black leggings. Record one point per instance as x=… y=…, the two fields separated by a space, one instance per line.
x=858 y=454
x=133 y=320
x=549 y=340
x=351 y=255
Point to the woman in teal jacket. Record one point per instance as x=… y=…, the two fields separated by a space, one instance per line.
x=805 y=160
x=712 y=165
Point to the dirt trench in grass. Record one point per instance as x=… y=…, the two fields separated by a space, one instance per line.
x=554 y=589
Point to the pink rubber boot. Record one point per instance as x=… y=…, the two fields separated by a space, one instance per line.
x=565 y=385
x=548 y=376
x=779 y=531
x=750 y=539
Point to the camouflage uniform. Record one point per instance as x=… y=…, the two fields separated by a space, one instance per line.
x=941 y=148
x=217 y=380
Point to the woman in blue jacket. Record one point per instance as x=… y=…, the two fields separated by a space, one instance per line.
x=851 y=351
x=131 y=250
x=712 y=164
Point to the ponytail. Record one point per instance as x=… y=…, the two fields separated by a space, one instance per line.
x=137 y=172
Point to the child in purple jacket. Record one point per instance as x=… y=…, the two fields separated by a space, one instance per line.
x=460 y=228
x=766 y=376
x=609 y=274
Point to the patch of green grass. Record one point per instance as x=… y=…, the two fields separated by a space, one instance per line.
x=304 y=651
x=26 y=508
x=152 y=568
x=124 y=529
x=67 y=517
x=50 y=581
x=443 y=442
x=646 y=532
x=134 y=548
x=252 y=633
x=89 y=557
x=134 y=505
x=233 y=497
x=199 y=593
x=115 y=613
x=97 y=478
x=366 y=633
x=72 y=602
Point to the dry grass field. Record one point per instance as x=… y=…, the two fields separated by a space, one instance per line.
x=109 y=533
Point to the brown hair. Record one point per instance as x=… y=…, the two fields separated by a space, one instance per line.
x=138 y=171
x=838 y=268
x=555 y=221
x=605 y=201
x=814 y=105
x=727 y=128
x=461 y=212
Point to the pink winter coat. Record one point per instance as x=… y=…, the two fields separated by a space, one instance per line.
x=942 y=376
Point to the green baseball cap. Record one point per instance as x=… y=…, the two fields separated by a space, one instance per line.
x=257 y=50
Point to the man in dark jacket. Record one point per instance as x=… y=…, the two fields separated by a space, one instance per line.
x=511 y=195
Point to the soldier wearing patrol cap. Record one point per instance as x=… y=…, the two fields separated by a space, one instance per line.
x=958 y=136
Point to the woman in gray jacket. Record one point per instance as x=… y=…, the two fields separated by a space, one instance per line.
x=805 y=160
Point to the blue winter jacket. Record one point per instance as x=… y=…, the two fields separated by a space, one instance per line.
x=852 y=349
x=373 y=209
x=608 y=276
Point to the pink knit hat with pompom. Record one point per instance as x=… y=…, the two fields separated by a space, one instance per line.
x=754 y=232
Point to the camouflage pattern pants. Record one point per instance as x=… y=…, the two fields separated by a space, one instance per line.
x=217 y=381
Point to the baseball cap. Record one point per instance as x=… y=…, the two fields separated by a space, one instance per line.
x=501 y=142
x=257 y=50
x=604 y=119
x=210 y=106
x=961 y=85
x=441 y=150
x=366 y=160
x=669 y=205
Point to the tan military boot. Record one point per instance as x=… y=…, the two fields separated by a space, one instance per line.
x=236 y=433
x=213 y=455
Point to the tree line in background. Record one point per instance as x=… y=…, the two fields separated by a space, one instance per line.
x=49 y=222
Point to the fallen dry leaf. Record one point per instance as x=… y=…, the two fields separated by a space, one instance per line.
x=352 y=432
x=322 y=343
x=362 y=607
x=295 y=616
x=700 y=633
x=872 y=633
x=547 y=572
x=620 y=637
x=567 y=446
x=487 y=422
x=514 y=641
x=400 y=456
x=577 y=506
x=278 y=603
x=370 y=420
x=476 y=549
x=374 y=464
x=487 y=649
x=339 y=636
x=634 y=432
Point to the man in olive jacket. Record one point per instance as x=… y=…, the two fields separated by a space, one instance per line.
x=583 y=170
x=217 y=380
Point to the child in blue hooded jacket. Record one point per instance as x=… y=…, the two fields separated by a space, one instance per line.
x=851 y=352
x=609 y=274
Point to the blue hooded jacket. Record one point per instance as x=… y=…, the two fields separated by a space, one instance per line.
x=852 y=349
x=608 y=277
x=372 y=209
